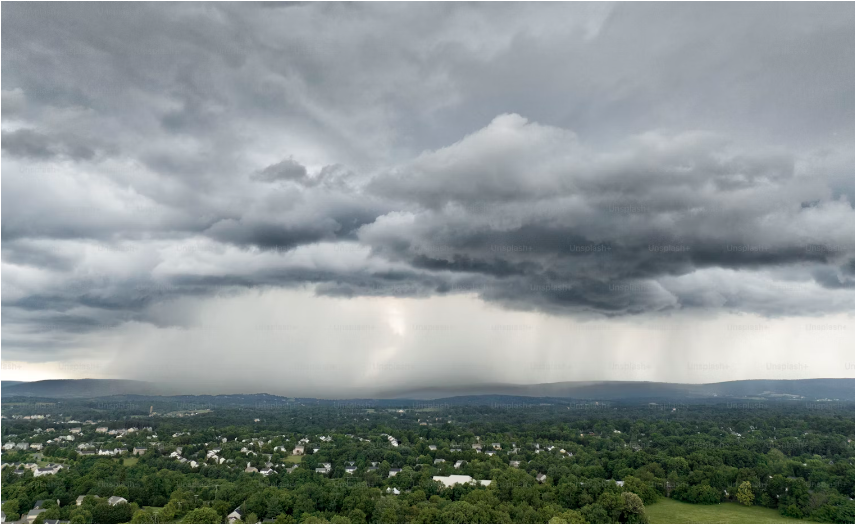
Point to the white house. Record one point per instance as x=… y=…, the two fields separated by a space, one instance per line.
x=234 y=516
x=451 y=480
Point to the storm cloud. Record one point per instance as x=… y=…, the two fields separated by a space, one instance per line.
x=574 y=161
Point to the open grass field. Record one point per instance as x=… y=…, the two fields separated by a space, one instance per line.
x=130 y=461
x=294 y=459
x=669 y=511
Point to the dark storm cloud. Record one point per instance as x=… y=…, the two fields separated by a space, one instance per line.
x=287 y=170
x=571 y=159
x=30 y=143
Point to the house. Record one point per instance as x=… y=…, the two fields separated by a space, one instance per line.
x=250 y=469
x=139 y=451
x=350 y=469
x=458 y=464
x=235 y=516
x=496 y=445
x=9 y=446
x=48 y=470
x=619 y=483
x=81 y=497
x=75 y=431
x=101 y=429
x=515 y=463
x=37 y=447
x=114 y=500
x=33 y=514
x=267 y=472
x=432 y=448
x=325 y=468
x=491 y=453
x=394 y=471
x=22 y=445
x=393 y=491
x=292 y=468
x=451 y=480
x=299 y=450
x=541 y=478
x=439 y=461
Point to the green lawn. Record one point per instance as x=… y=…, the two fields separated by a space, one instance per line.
x=293 y=459
x=130 y=461
x=669 y=511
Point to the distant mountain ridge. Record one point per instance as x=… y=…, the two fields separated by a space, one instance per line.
x=85 y=388
x=809 y=389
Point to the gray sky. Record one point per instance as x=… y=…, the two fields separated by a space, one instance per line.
x=336 y=200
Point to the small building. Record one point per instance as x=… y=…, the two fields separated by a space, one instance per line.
x=394 y=471
x=451 y=480
x=235 y=516
x=299 y=450
x=114 y=500
x=79 y=500
x=34 y=513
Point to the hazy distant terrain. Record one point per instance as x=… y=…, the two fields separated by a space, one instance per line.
x=813 y=389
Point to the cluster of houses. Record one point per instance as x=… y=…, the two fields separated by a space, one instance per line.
x=177 y=456
x=21 y=446
x=40 y=507
x=21 y=467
